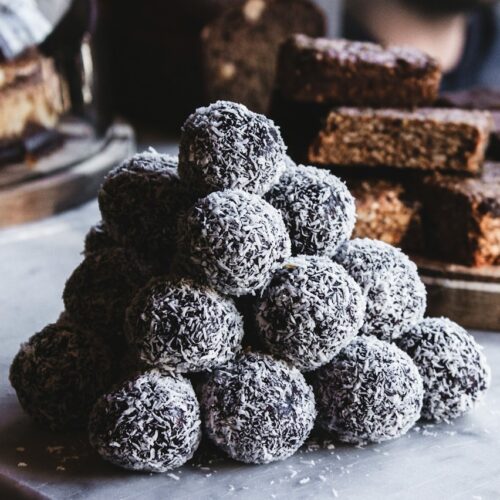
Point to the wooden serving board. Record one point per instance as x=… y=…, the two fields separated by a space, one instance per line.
x=68 y=177
x=469 y=296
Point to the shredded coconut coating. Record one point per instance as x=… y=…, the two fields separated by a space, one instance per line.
x=98 y=238
x=99 y=290
x=227 y=146
x=370 y=392
x=58 y=375
x=235 y=240
x=310 y=311
x=452 y=365
x=150 y=423
x=184 y=327
x=395 y=295
x=318 y=209
x=257 y=409
x=140 y=202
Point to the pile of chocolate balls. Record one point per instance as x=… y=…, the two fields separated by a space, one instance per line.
x=222 y=294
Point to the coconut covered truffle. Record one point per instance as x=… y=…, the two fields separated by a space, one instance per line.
x=370 y=392
x=453 y=368
x=150 y=423
x=140 y=201
x=98 y=292
x=318 y=209
x=58 y=375
x=227 y=146
x=311 y=310
x=98 y=239
x=395 y=295
x=257 y=409
x=183 y=326
x=235 y=240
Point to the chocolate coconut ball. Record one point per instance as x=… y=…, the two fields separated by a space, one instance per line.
x=150 y=423
x=235 y=240
x=318 y=209
x=98 y=239
x=257 y=409
x=311 y=310
x=370 y=392
x=453 y=368
x=140 y=202
x=101 y=287
x=58 y=375
x=183 y=326
x=395 y=295
x=227 y=146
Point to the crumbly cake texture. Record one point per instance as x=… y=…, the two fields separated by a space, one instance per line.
x=462 y=217
x=370 y=392
x=227 y=146
x=240 y=47
x=356 y=73
x=58 y=375
x=235 y=240
x=454 y=370
x=99 y=290
x=318 y=209
x=395 y=295
x=150 y=423
x=386 y=212
x=182 y=326
x=98 y=239
x=310 y=311
x=257 y=409
x=423 y=139
x=140 y=202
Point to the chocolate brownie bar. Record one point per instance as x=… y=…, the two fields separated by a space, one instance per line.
x=461 y=217
x=356 y=73
x=386 y=212
x=425 y=139
x=240 y=47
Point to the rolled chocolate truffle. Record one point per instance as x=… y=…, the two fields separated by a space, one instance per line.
x=395 y=295
x=58 y=375
x=140 y=202
x=370 y=392
x=149 y=423
x=257 y=409
x=452 y=365
x=311 y=310
x=182 y=326
x=235 y=240
x=98 y=238
x=227 y=146
x=101 y=287
x=318 y=210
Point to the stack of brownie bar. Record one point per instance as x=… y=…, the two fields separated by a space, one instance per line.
x=417 y=169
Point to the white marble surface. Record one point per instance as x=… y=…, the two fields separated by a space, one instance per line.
x=461 y=461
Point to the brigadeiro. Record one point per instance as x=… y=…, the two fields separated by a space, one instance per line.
x=235 y=240
x=149 y=423
x=452 y=365
x=98 y=292
x=395 y=295
x=227 y=146
x=318 y=209
x=58 y=375
x=98 y=239
x=370 y=392
x=311 y=310
x=257 y=409
x=140 y=201
x=183 y=326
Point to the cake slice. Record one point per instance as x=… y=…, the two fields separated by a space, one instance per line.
x=240 y=47
x=425 y=139
x=356 y=73
x=461 y=217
